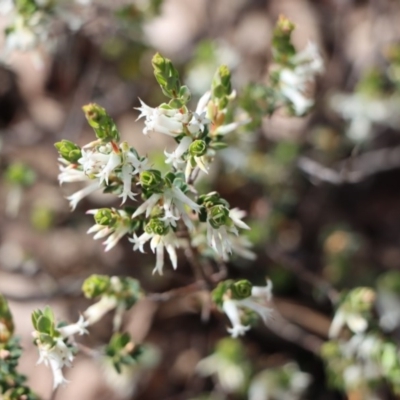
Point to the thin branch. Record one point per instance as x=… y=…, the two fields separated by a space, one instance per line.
x=354 y=169
x=294 y=334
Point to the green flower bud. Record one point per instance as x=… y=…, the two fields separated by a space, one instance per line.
x=282 y=48
x=241 y=289
x=20 y=174
x=198 y=148
x=105 y=216
x=210 y=199
x=150 y=179
x=69 y=151
x=221 y=85
x=360 y=299
x=184 y=94
x=101 y=122
x=166 y=75
x=95 y=285
x=6 y=321
x=231 y=349
x=156 y=227
x=218 y=216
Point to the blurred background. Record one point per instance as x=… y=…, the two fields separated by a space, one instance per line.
x=322 y=192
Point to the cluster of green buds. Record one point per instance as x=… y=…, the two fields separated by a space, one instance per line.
x=103 y=125
x=168 y=78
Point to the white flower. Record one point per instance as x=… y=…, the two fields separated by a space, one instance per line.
x=354 y=321
x=293 y=82
x=148 y=205
x=59 y=354
x=230 y=375
x=283 y=383
x=175 y=158
x=71 y=173
x=161 y=120
x=221 y=239
x=197 y=123
x=115 y=233
x=79 y=328
x=75 y=198
x=257 y=302
x=363 y=111
x=114 y=160
x=157 y=245
x=97 y=310
x=231 y=309
x=174 y=203
x=22 y=38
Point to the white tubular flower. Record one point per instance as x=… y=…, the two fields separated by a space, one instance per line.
x=56 y=356
x=114 y=160
x=148 y=205
x=175 y=158
x=115 y=234
x=79 y=328
x=354 y=321
x=231 y=310
x=257 y=302
x=75 y=198
x=157 y=245
x=198 y=122
x=219 y=240
x=203 y=102
x=97 y=310
x=228 y=128
x=71 y=173
x=222 y=239
x=293 y=82
x=292 y=88
x=230 y=374
x=167 y=121
x=176 y=202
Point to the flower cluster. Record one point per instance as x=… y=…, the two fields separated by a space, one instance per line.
x=294 y=71
x=52 y=342
x=168 y=209
x=239 y=299
x=30 y=21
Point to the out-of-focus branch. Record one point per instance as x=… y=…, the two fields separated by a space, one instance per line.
x=354 y=169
